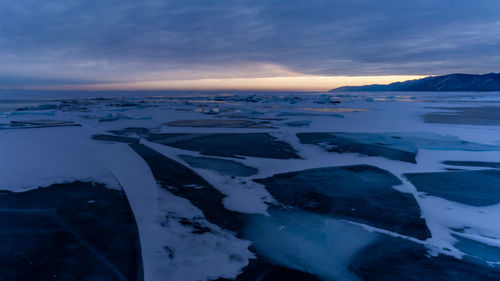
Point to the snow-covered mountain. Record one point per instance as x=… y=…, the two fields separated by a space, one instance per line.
x=450 y=82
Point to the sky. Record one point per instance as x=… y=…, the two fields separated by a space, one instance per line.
x=232 y=44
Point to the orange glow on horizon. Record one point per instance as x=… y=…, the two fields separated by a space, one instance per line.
x=300 y=83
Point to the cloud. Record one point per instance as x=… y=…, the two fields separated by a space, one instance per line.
x=125 y=40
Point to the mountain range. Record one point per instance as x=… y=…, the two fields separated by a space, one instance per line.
x=444 y=83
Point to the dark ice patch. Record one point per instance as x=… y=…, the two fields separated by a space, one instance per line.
x=453 y=169
x=130 y=130
x=302 y=123
x=395 y=146
x=196 y=226
x=113 y=138
x=483 y=115
x=55 y=233
x=195 y=223
x=44 y=123
x=219 y=123
x=395 y=259
x=262 y=270
x=495 y=165
x=299 y=113
x=476 y=188
x=342 y=142
x=361 y=193
x=39 y=107
x=229 y=144
x=478 y=252
x=308 y=242
x=253 y=115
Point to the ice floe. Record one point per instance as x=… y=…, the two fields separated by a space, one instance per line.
x=476 y=188
x=360 y=193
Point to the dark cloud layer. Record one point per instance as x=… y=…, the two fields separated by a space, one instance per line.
x=117 y=40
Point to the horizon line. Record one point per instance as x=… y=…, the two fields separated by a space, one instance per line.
x=271 y=84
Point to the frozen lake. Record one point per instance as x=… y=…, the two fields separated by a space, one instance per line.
x=250 y=186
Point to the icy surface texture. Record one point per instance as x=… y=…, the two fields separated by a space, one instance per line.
x=218 y=123
x=229 y=144
x=70 y=231
x=187 y=162
x=360 y=193
x=394 y=259
x=476 y=188
x=495 y=165
x=309 y=242
x=396 y=146
x=483 y=115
